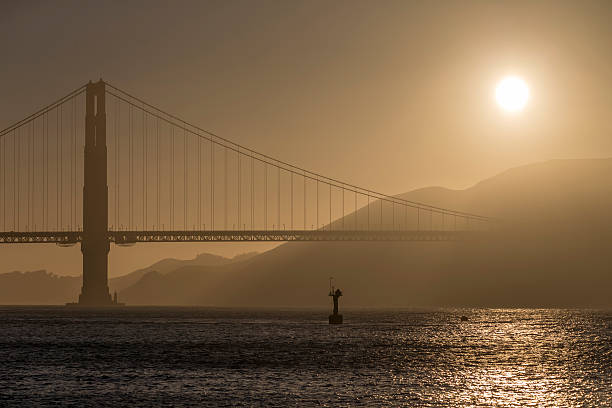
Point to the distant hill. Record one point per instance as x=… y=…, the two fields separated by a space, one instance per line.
x=567 y=192
x=42 y=287
x=37 y=288
x=552 y=250
x=170 y=264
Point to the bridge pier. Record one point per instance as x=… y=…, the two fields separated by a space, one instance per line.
x=95 y=245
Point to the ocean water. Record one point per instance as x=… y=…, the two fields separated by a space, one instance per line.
x=211 y=357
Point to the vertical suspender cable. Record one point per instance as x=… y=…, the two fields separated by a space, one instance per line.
x=15 y=181
x=130 y=167
x=199 y=183
x=225 y=203
x=3 y=160
x=158 y=172
x=28 y=177
x=4 y=182
x=34 y=189
x=145 y=157
x=252 y=193
x=185 y=178
x=368 y=212
x=61 y=196
x=19 y=180
x=278 y=197
x=41 y=163
x=119 y=171
x=15 y=178
x=3 y=157
x=158 y=190
x=74 y=152
x=212 y=184
x=117 y=141
x=330 y=207
x=317 y=203
x=30 y=173
x=381 y=213
x=72 y=171
x=355 y=213
x=239 y=191
x=133 y=168
x=47 y=173
x=343 y=208
x=266 y=196
x=291 y=201
x=57 y=168
x=33 y=176
x=33 y=192
x=278 y=200
x=172 y=183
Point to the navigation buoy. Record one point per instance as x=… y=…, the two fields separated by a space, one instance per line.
x=334 y=318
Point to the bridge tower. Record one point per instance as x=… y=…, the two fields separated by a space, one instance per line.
x=95 y=245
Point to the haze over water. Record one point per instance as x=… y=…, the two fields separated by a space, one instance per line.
x=225 y=357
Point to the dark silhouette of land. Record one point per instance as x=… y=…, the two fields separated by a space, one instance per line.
x=550 y=250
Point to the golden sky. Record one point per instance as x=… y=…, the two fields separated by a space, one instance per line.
x=390 y=95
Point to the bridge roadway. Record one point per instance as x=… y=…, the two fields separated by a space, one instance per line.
x=132 y=237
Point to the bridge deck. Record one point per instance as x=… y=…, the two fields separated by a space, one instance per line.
x=131 y=237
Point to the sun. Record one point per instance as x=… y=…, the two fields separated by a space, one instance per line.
x=512 y=94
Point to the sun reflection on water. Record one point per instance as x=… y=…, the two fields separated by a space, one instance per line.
x=509 y=358
x=498 y=358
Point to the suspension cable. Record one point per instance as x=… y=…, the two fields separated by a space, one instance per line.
x=296 y=168
x=316 y=176
x=42 y=111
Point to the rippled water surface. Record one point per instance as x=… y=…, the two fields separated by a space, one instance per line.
x=208 y=357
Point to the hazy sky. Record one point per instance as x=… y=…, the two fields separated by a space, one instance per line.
x=387 y=95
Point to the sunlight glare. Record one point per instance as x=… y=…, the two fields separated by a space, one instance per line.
x=512 y=94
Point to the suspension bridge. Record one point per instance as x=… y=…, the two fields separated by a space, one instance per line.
x=102 y=166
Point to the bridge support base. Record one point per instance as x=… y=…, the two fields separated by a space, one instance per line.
x=95 y=281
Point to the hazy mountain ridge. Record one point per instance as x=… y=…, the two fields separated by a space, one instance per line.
x=170 y=264
x=37 y=287
x=552 y=190
x=551 y=250
x=42 y=287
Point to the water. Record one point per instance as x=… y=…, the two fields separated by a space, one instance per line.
x=208 y=357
